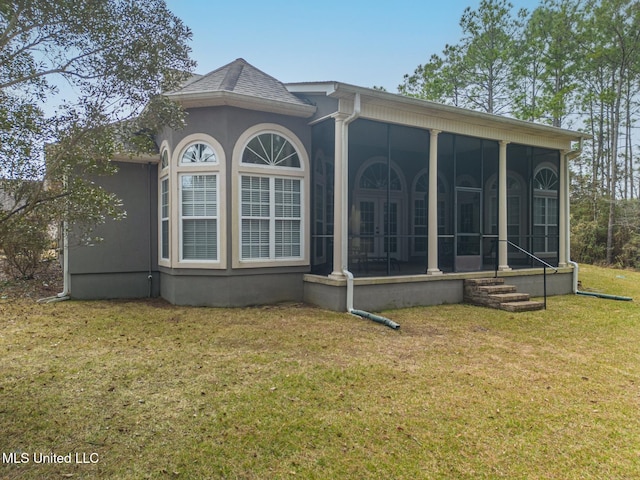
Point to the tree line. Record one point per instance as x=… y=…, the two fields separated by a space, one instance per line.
x=567 y=63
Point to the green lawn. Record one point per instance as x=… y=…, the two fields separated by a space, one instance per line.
x=149 y=390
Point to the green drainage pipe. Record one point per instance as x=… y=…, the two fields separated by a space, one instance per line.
x=376 y=318
x=593 y=294
x=604 y=295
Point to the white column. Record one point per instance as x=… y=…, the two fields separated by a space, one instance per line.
x=338 y=199
x=502 y=208
x=563 y=227
x=432 y=222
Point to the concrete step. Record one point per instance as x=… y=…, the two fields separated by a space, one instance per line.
x=477 y=282
x=510 y=297
x=496 y=289
x=526 y=306
x=493 y=293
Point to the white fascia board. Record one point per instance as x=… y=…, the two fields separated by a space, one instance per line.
x=326 y=88
x=126 y=158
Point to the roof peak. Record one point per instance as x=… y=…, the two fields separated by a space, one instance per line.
x=241 y=80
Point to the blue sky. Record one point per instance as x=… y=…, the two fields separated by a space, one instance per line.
x=308 y=41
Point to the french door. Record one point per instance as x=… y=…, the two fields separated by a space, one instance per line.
x=468 y=233
x=379 y=227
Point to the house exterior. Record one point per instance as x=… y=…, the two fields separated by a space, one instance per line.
x=278 y=192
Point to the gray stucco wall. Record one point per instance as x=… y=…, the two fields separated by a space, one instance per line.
x=232 y=287
x=119 y=266
x=238 y=290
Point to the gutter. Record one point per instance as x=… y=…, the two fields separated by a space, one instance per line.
x=345 y=221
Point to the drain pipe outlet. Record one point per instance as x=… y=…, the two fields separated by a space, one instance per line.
x=593 y=294
x=376 y=318
x=605 y=295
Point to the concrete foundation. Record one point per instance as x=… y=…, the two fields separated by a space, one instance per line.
x=385 y=293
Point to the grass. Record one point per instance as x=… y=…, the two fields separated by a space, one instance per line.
x=160 y=391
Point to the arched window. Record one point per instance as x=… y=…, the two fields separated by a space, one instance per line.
x=377 y=175
x=199 y=205
x=546 y=179
x=545 y=210
x=164 y=159
x=191 y=191
x=271 y=149
x=197 y=153
x=271 y=179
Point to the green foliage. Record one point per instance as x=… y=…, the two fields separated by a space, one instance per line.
x=589 y=224
x=588 y=240
x=118 y=56
x=546 y=66
x=23 y=248
x=477 y=72
x=627 y=234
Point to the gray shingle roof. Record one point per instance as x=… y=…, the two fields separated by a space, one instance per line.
x=241 y=78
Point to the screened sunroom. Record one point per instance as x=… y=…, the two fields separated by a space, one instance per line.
x=388 y=201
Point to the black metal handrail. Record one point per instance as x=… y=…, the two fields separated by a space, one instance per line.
x=545 y=265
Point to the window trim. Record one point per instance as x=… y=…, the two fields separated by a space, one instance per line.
x=176 y=169
x=163 y=219
x=239 y=169
x=165 y=174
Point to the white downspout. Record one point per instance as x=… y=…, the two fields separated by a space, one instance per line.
x=65 y=294
x=345 y=195
x=570 y=156
x=344 y=220
x=66 y=277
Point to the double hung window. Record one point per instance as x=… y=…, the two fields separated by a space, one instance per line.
x=199 y=216
x=271 y=200
x=191 y=217
x=545 y=211
x=164 y=206
x=199 y=204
